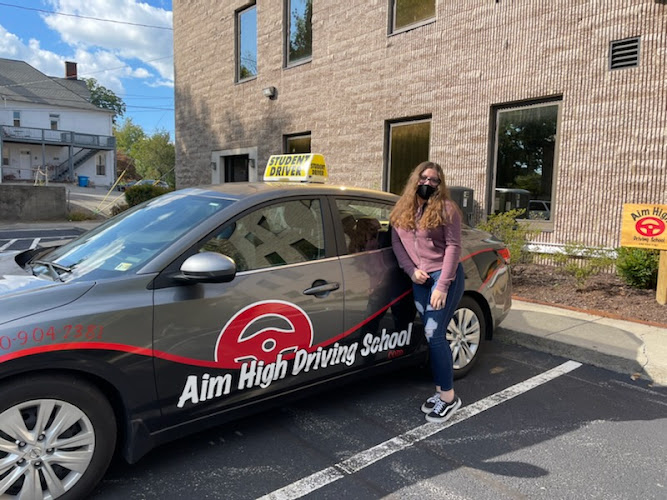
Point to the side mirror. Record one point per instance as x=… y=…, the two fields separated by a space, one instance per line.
x=207 y=267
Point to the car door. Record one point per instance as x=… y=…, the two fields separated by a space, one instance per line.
x=274 y=327
x=379 y=309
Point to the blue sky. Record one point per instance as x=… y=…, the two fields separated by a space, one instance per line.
x=132 y=56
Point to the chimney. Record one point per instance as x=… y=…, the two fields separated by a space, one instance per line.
x=70 y=70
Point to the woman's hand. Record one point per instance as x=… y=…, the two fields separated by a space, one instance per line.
x=438 y=299
x=420 y=277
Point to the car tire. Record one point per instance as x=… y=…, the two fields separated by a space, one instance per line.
x=57 y=462
x=465 y=334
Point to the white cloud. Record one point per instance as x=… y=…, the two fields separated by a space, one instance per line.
x=123 y=43
x=141 y=73
x=12 y=47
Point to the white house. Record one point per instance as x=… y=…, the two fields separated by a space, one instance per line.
x=49 y=128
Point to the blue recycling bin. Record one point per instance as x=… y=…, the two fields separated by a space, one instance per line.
x=83 y=181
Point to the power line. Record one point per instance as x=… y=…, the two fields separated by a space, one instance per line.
x=86 y=17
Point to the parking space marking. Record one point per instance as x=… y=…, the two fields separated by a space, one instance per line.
x=7 y=245
x=368 y=457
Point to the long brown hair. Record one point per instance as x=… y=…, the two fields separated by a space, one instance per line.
x=435 y=213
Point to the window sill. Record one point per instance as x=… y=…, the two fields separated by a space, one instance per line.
x=545 y=226
x=245 y=80
x=300 y=62
x=412 y=26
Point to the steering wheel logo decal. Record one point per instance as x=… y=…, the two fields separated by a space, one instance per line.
x=237 y=344
x=650 y=227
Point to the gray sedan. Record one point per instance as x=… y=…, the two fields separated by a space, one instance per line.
x=200 y=306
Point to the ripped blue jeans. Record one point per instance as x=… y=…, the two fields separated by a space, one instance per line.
x=435 y=325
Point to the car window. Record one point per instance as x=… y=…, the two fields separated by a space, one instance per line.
x=288 y=232
x=365 y=224
x=128 y=241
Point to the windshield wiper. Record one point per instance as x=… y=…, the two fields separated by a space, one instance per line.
x=52 y=266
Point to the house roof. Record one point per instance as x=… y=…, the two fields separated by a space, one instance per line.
x=20 y=82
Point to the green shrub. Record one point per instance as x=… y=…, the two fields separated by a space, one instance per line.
x=77 y=216
x=116 y=209
x=515 y=235
x=138 y=194
x=638 y=267
x=582 y=261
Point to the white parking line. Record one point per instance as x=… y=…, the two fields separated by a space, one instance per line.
x=8 y=244
x=361 y=460
x=34 y=243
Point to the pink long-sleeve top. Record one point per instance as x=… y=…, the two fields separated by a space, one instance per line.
x=431 y=249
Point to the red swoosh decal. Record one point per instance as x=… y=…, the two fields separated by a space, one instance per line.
x=146 y=351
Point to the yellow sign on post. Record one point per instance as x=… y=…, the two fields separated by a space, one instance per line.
x=645 y=226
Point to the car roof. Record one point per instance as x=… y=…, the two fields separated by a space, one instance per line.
x=272 y=190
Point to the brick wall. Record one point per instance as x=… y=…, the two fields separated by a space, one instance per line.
x=613 y=127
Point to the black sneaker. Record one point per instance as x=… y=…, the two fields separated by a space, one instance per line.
x=442 y=411
x=428 y=406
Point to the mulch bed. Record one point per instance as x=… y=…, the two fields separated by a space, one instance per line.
x=605 y=293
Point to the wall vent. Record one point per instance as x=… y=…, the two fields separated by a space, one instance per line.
x=624 y=53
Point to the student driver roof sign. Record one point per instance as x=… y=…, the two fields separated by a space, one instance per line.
x=298 y=167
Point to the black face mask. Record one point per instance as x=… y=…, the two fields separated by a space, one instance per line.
x=425 y=191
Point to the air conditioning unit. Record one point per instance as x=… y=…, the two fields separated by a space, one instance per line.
x=464 y=197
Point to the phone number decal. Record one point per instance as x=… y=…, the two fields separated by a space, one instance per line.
x=51 y=334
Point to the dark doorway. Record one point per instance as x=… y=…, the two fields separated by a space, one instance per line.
x=236 y=168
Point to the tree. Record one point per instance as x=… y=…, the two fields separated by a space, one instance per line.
x=155 y=157
x=128 y=135
x=104 y=98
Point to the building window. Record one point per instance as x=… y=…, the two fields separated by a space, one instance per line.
x=408 y=13
x=101 y=165
x=246 y=43
x=17 y=118
x=525 y=159
x=295 y=144
x=5 y=157
x=408 y=147
x=299 y=33
x=54 y=120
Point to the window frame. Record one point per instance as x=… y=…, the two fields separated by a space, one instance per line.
x=542 y=225
x=16 y=119
x=327 y=231
x=54 y=119
x=238 y=46
x=342 y=243
x=302 y=135
x=391 y=25
x=101 y=165
x=389 y=125
x=287 y=34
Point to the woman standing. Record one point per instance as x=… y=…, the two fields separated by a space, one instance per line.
x=426 y=239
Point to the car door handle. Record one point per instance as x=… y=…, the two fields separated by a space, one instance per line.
x=321 y=288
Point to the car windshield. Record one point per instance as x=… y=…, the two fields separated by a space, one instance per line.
x=130 y=240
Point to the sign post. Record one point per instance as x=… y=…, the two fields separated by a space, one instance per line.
x=645 y=226
x=661 y=290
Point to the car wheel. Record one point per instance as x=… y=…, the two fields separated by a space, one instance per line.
x=57 y=437
x=465 y=334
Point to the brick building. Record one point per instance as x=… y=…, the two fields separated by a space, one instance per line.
x=561 y=105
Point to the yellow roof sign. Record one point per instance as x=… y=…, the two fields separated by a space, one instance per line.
x=298 y=167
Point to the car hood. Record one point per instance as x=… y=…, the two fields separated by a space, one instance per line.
x=22 y=294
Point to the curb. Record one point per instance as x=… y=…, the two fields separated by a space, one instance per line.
x=578 y=353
